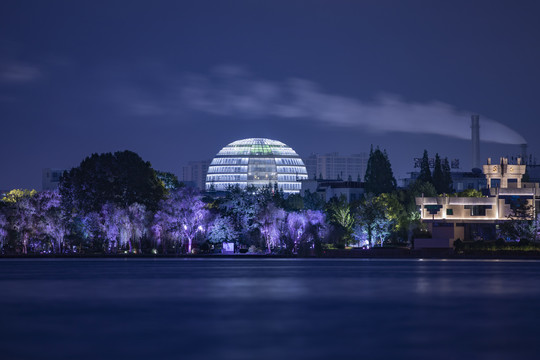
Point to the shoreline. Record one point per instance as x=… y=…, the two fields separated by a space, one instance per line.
x=333 y=254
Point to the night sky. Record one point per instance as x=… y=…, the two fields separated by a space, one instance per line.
x=177 y=80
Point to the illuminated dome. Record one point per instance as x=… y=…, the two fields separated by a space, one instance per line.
x=258 y=162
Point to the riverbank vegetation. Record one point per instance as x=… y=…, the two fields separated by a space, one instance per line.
x=117 y=203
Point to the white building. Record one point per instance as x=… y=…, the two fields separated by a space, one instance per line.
x=256 y=162
x=195 y=172
x=50 y=178
x=334 y=166
x=468 y=218
x=327 y=189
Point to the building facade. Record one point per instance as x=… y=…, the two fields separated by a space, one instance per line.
x=50 y=178
x=461 y=180
x=327 y=189
x=256 y=162
x=335 y=166
x=470 y=218
x=194 y=173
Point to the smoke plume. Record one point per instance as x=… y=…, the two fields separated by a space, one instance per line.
x=232 y=91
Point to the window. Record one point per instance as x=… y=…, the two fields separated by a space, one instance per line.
x=433 y=209
x=449 y=211
x=478 y=210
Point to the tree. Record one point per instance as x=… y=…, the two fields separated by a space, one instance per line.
x=20 y=213
x=313 y=201
x=242 y=206
x=50 y=218
x=341 y=217
x=269 y=220
x=296 y=226
x=372 y=221
x=179 y=217
x=379 y=177
x=421 y=188
x=91 y=231
x=111 y=222
x=438 y=176
x=425 y=172
x=469 y=193
x=447 y=177
x=294 y=202
x=188 y=213
x=305 y=229
x=520 y=224
x=16 y=194
x=393 y=210
x=222 y=230
x=122 y=178
x=169 y=180
x=138 y=224
x=3 y=231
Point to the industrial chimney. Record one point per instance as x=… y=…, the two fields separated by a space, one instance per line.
x=475 y=137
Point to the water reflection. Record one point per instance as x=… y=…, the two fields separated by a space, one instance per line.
x=262 y=309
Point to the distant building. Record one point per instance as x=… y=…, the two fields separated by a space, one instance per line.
x=195 y=173
x=534 y=173
x=469 y=218
x=461 y=180
x=335 y=166
x=51 y=178
x=327 y=189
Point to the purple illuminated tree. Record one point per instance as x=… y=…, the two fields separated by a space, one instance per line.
x=316 y=223
x=296 y=227
x=270 y=220
x=183 y=215
x=306 y=227
x=124 y=228
x=109 y=219
x=138 y=221
x=20 y=217
x=3 y=231
x=49 y=219
x=163 y=229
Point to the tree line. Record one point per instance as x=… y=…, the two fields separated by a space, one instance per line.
x=116 y=202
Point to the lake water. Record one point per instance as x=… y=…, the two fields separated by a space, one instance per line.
x=269 y=309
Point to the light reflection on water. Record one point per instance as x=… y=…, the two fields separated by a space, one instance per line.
x=267 y=308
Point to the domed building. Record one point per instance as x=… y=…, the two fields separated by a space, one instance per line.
x=259 y=162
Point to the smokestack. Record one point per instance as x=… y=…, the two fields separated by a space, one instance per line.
x=523 y=153
x=475 y=137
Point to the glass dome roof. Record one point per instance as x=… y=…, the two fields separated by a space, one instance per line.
x=259 y=162
x=257 y=146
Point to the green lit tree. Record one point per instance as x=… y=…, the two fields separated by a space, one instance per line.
x=372 y=221
x=341 y=217
x=169 y=180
